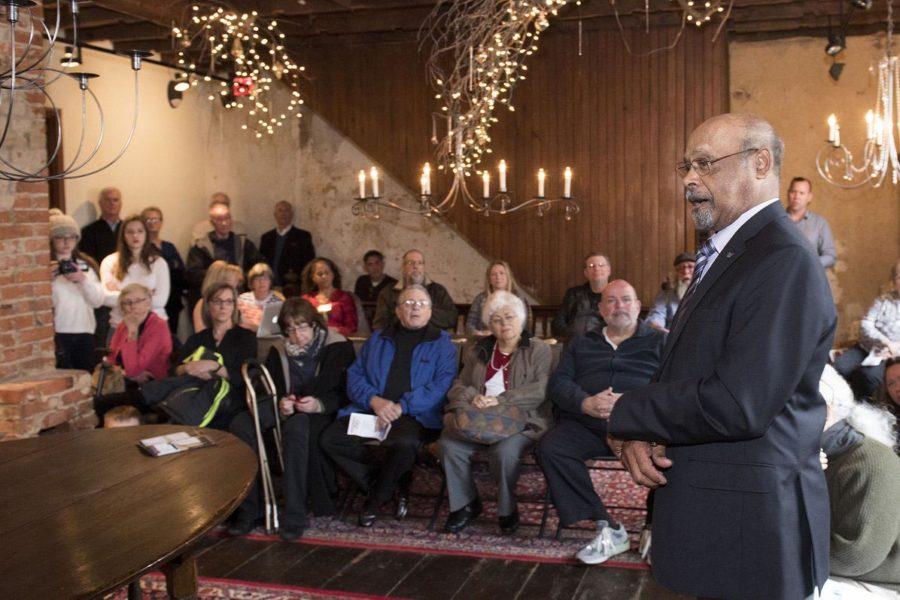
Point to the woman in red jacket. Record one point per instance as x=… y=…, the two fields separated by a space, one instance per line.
x=322 y=287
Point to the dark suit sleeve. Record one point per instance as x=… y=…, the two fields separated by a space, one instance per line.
x=384 y=314
x=252 y=256
x=560 y=325
x=562 y=389
x=443 y=310
x=198 y=262
x=267 y=247
x=88 y=243
x=782 y=314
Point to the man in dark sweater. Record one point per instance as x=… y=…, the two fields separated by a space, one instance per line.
x=99 y=238
x=368 y=287
x=593 y=372
x=287 y=248
x=578 y=311
x=443 y=310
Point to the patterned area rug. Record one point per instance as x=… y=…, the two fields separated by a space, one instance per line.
x=625 y=501
x=153 y=587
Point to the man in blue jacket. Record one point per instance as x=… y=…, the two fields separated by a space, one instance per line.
x=401 y=376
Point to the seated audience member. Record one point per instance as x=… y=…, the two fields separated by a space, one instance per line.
x=252 y=304
x=863 y=477
x=401 y=376
x=98 y=240
x=497 y=277
x=222 y=243
x=578 y=311
x=879 y=339
x=122 y=416
x=76 y=291
x=153 y=219
x=223 y=336
x=443 y=310
x=287 y=248
x=202 y=228
x=141 y=346
x=369 y=286
x=322 y=288
x=135 y=260
x=218 y=272
x=318 y=358
x=666 y=303
x=889 y=397
x=594 y=371
x=508 y=368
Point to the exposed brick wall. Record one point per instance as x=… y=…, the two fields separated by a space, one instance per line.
x=33 y=395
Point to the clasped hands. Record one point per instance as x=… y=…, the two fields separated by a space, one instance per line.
x=600 y=405
x=203 y=369
x=386 y=411
x=291 y=404
x=481 y=401
x=644 y=460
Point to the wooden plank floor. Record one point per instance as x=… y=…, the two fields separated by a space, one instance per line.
x=419 y=576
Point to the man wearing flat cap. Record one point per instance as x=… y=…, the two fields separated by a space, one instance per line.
x=666 y=303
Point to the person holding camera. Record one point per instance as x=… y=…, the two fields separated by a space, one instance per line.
x=76 y=292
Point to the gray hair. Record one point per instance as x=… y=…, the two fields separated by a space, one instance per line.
x=414 y=286
x=501 y=299
x=759 y=133
x=873 y=422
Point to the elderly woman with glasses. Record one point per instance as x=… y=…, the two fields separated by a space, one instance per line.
x=508 y=368
x=317 y=361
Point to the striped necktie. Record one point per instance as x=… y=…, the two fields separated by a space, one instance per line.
x=707 y=251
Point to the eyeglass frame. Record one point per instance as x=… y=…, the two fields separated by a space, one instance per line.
x=709 y=163
x=416 y=303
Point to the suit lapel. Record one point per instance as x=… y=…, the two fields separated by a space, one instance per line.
x=729 y=255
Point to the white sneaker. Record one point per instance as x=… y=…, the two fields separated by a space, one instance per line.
x=608 y=543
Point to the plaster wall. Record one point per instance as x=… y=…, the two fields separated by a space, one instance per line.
x=787 y=82
x=180 y=156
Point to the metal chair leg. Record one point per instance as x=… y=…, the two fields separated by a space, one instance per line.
x=265 y=473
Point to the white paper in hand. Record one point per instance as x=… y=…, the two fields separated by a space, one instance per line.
x=366 y=426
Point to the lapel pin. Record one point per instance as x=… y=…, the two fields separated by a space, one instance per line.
x=729 y=254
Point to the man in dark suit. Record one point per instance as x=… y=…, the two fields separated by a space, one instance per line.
x=287 y=248
x=728 y=430
x=99 y=238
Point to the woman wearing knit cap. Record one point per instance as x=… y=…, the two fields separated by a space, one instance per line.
x=76 y=292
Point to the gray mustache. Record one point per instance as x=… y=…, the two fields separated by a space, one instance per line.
x=694 y=196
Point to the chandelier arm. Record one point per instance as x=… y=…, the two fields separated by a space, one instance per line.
x=48 y=51
x=18 y=174
x=12 y=87
x=127 y=141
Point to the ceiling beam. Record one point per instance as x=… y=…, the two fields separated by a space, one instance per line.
x=161 y=12
x=133 y=31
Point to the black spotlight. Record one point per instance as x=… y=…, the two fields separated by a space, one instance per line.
x=863 y=4
x=174 y=94
x=835 y=70
x=836 y=44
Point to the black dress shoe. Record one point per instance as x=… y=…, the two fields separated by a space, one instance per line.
x=289 y=533
x=458 y=519
x=367 y=520
x=510 y=523
x=402 y=507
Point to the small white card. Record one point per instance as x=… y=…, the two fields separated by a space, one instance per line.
x=364 y=425
x=324 y=308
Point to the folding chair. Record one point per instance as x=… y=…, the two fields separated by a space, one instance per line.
x=254 y=373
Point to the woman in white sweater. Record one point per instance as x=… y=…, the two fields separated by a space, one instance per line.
x=76 y=292
x=135 y=260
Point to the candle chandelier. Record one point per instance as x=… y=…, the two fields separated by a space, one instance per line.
x=27 y=70
x=835 y=162
x=250 y=53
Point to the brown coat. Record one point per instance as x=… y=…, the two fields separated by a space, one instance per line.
x=529 y=369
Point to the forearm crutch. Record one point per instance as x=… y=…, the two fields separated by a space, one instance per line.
x=265 y=473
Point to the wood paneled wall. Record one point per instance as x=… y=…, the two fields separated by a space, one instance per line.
x=620 y=121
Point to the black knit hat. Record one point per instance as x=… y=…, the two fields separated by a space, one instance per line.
x=684 y=257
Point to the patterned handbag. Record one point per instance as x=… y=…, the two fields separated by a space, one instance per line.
x=488 y=425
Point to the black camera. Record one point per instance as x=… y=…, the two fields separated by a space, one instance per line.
x=67 y=266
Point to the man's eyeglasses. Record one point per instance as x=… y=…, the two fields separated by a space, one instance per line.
x=596 y=265
x=153 y=220
x=416 y=303
x=703 y=166
x=222 y=302
x=414 y=263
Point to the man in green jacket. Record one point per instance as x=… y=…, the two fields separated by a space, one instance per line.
x=863 y=476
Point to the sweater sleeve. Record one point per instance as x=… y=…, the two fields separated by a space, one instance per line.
x=360 y=388
x=330 y=385
x=464 y=387
x=562 y=389
x=107 y=268
x=92 y=290
x=531 y=395
x=473 y=319
x=346 y=322
x=147 y=352
x=161 y=286
x=657 y=314
x=443 y=311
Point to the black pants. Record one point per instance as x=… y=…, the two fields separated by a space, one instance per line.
x=561 y=454
x=308 y=477
x=75 y=351
x=356 y=458
x=865 y=381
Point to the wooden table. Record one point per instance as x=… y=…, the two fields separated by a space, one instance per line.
x=85 y=513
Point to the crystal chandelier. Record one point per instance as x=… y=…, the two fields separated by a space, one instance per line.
x=252 y=55
x=27 y=70
x=835 y=162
